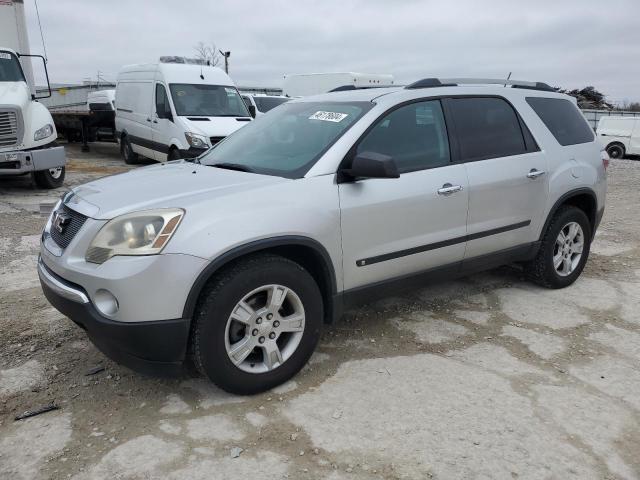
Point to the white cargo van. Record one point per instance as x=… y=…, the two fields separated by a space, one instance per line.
x=620 y=136
x=101 y=100
x=301 y=85
x=167 y=111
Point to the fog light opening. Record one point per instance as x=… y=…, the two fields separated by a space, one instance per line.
x=105 y=302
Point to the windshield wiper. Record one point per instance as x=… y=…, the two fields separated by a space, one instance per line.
x=232 y=166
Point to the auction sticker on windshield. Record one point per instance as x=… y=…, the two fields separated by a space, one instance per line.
x=329 y=116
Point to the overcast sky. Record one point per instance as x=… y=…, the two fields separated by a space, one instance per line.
x=567 y=43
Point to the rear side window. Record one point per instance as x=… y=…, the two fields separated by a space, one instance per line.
x=486 y=128
x=563 y=119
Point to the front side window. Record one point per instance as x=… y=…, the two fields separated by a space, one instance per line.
x=193 y=100
x=414 y=135
x=486 y=127
x=162 y=101
x=289 y=140
x=10 y=70
x=563 y=119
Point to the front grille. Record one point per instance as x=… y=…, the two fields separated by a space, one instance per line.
x=8 y=129
x=71 y=229
x=215 y=140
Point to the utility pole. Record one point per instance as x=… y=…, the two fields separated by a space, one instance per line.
x=226 y=56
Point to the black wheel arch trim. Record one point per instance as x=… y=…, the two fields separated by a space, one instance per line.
x=574 y=193
x=257 y=246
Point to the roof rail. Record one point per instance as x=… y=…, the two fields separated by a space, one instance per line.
x=344 y=88
x=451 y=82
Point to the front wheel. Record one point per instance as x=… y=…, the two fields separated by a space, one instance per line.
x=257 y=324
x=564 y=249
x=51 y=178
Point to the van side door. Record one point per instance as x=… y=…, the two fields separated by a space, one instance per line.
x=508 y=174
x=634 y=141
x=399 y=226
x=134 y=100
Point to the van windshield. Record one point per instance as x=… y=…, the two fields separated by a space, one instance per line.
x=10 y=70
x=207 y=101
x=287 y=141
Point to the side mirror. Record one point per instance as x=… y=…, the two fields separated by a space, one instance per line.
x=372 y=165
x=252 y=110
x=166 y=114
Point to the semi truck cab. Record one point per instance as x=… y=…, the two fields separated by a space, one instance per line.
x=27 y=132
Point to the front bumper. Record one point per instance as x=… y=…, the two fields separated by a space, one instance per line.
x=151 y=347
x=25 y=161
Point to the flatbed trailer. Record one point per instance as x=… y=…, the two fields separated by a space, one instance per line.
x=82 y=124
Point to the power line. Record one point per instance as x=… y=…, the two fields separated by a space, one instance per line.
x=44 y=47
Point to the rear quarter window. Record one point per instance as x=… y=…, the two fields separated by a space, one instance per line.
x=563 y=119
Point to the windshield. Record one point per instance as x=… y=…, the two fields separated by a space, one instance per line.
x=207 y=101
x=10 y=70
x=265 y=104
x=287 y=141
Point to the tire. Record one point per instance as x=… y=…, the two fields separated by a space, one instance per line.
x=215 y=333
x=52 y=178
x=615 y=151
x=542 y=270
x=128 y=155
x=174 y=154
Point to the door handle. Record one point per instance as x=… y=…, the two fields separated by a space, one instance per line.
x=148 y=119
x=155 y=120
x=448 y=189
x=535 y=173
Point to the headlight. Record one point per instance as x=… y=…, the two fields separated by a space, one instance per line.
x=195 y=140
x=43 y=132
x=139 y=233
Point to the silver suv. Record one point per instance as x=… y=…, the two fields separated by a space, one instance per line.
x=236 y=259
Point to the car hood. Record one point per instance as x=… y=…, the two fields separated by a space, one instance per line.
x=14 y=94
x=213 y=126
x=172 y=184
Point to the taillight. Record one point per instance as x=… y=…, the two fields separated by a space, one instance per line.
x=605 y=159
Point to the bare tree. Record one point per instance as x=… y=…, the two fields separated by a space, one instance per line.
x=208 y=53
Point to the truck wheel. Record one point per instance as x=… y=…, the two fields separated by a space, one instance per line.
x=615 y=151
x=564 y=249
x=52 y=178
x=256 y=324
x=129 y=156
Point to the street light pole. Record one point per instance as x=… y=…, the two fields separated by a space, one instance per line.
x=226 y=56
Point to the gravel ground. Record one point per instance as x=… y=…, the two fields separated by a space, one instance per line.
x=483 y=377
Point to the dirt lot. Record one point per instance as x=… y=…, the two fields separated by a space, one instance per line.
x=484 y=377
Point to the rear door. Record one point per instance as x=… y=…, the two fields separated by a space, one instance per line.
x=395 y=227
x=508 y=180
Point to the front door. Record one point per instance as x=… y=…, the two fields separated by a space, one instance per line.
x=394 y=227
x=162 y=123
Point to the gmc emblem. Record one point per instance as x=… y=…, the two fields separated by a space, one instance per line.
x=60 y=221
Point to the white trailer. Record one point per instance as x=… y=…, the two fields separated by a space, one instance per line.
x=27 y=131
x=302 y=85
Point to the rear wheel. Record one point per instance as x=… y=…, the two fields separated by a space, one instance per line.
x=257 y=324
x=51 y=178
x=564 y=249
x=615 y=151
x=128 y=155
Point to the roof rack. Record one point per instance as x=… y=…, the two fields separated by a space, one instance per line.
x=344 y=88
x=454 y=82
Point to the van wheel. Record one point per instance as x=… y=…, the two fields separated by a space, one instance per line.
x=51 y=178
x=174 y=154
x=564 y=250
x=128 y=155
x=615 y=151
x=256 y=324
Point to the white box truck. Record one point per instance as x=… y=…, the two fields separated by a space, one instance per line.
x=302 y=85
x=27 y=131
x=620 y=136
